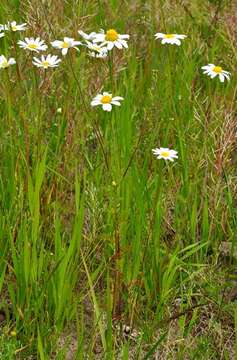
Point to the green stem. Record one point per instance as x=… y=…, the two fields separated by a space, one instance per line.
x=111 y=70
x=87 y=111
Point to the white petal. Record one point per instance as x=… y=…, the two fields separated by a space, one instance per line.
x=118 y=98
x=124 y=43
x=87 y=36
x=76 y=43
x=56 y=43
x=83 y=34
x=110 y=45
x=206 y=67
x=227 y=76
x=114 y=102
x=95 y=102
x=107 y=107
x=213 y=75
x=124 y=36
x=11 y=61
x=221 y=77
x=159 y=35
x=99 y=38
x=177 y=42
x=180 y=36
x=118 y=45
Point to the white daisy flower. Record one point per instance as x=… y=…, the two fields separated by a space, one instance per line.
x=1 y=35
x=106 y=100
x=165 y=153
x=14 y=27
x=110 y=39
x=47 y=61
x=170 y=38
x=65 y=44
x=213 y=71
x=4 y=63
x=32 y=44
x=96 y=50
x=85 y=36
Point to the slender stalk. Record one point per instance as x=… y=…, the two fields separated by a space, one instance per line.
x=111 y=70
x=117 y=281
x=16 y=57
x=39 y=116
x=8 y=101
x=87 y=111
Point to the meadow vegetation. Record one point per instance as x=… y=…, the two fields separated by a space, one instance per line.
x=107 y=252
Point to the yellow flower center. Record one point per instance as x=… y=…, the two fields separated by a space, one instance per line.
x=32 y=46
x=111 y=35
x=14 y=28
x=165 y=154
x=45 y=64
x=169 y=36
x=65 y=45
x=217 y=69
x=106 y=99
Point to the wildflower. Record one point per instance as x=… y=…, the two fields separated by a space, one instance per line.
x=106 y=100
x=13 y=333
x=1 y=35
x=111 y=38
x=170 y=38
x=96 y=50
x=59 y=110
x=14 y=27
x=46 y=62
x=165 y=153
x=85 y=36
x=4 y=63
x=32 y=44
x=213 y=71
x=65 y=44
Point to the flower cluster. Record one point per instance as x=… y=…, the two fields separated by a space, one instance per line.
x=101 y=43
x=98 y=45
